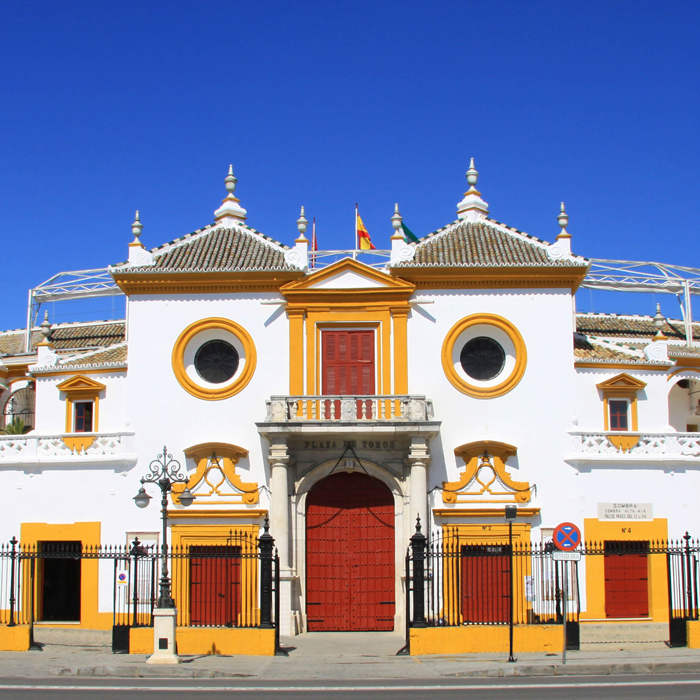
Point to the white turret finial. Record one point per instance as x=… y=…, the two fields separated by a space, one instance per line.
x=230 y=211
x=659 y=323
x=397 y=220
x=302 y=223
x=230 y=180
x=472 y=207
x=563 y=220
x=45 y=327
x=472 y=174
x=137 y=227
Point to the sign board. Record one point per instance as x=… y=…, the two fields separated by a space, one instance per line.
x=566 y=556
x=625 y=511
x=566 y=537
x=122 y=577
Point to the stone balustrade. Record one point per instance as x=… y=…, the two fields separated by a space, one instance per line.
x=107 y=448
x=334 y=409
x=667 y=448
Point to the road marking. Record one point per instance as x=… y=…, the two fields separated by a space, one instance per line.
x=325 y=689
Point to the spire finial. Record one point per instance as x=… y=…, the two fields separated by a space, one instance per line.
x=397 y=219
x=45 y=326
x=472 y=175
x=563 y=218
x=137 y=227
x=302 y=223
x=230 y=181
x=659 y=322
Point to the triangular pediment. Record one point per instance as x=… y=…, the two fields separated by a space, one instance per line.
x=622 y=381
x=80 y=383
x=347 y=275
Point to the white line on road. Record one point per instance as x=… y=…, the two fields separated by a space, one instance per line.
x=355 y=688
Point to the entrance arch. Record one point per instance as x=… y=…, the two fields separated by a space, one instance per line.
x=350 y=549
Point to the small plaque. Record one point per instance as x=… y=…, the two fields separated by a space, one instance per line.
x=566 y=556
x=163 y=643
x=625 y=511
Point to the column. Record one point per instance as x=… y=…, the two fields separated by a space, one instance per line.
x=419 y=458
x=279 y=500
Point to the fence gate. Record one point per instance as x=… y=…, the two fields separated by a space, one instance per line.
x=682 y=561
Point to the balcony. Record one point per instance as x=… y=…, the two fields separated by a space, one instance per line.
x=671 y=450
x=97 y=450
x=395 y=414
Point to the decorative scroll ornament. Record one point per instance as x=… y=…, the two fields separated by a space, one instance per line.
x=486 y=479
x=216 y=482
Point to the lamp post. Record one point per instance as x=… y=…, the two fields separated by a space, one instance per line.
x=511 y=515
x=165 y=472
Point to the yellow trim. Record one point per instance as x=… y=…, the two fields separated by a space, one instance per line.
x=185 y=535
x=477 y=455
x=599 y=531
x=227 y=456
x=88 y=534
x=682 y=369
x=479 y=639
x=106 y=370
x=474 y=278
x=205 y=641
x=296 y=351
x=15 y=638
x=400 y=316
x=189 y=334
x=584 y=364
x=80 y=388
x=215 y=513
x=686 y=362
x=204 y=282
x=498 y=512
x=463 y=385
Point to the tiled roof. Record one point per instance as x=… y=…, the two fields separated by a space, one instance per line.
x=216 y=249
x=591 y=349
x=114 y=356
x=487 y=244
x=68 y=336
x=631 y=327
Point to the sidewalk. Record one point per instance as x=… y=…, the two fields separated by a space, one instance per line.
x=328 y=656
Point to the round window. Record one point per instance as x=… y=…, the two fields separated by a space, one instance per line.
x=482 y=358
x=216 y=361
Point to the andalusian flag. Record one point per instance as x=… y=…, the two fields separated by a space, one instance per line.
x=408 y=235
x=363 y=239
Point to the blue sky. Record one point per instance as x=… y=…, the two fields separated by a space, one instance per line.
x=113 y=106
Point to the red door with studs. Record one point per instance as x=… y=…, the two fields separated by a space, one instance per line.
x=626 y=579
x=350 y=584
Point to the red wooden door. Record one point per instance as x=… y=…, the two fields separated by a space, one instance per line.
x=215 y=586
x=348 y=368
x=485 y=583
x=350 y=583
x=626 y=579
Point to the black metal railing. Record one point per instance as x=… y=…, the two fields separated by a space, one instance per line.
x=233 y=583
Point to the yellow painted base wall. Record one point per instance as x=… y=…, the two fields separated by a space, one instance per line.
x=209 y=640
x=472 y=639
x=693 y=631
x=14 y=638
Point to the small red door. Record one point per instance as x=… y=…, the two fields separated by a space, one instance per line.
x=626 y=579
x=348 y=368
x=485 y=583
x=350 y=555
x=215 y=586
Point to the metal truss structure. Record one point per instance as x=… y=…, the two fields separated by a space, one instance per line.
x=609 y=275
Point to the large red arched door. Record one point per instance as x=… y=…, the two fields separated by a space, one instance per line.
x=350 y=582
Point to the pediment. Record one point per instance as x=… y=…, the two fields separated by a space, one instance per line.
x=622 y=381
x=80 y=383
x=346 y=275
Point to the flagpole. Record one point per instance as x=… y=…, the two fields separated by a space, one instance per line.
x=354 y=252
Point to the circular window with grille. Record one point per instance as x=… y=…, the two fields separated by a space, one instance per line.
x=214 y=358
x=484 y=355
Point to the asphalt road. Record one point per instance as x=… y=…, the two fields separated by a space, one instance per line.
x=678 y=687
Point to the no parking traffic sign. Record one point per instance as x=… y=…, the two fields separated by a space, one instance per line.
x=566 y=537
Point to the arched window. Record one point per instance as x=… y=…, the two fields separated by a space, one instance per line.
x=19 y=408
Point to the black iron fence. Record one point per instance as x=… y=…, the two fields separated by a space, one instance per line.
x=234 y=583
x=452 y=581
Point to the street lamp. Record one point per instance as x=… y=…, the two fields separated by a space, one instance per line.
x=164 y=471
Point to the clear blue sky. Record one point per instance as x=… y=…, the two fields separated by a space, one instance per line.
x=112 y=106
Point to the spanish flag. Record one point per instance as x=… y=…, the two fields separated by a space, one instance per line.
x=363 y=239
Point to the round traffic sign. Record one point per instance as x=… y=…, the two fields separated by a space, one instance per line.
x=566 y=537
